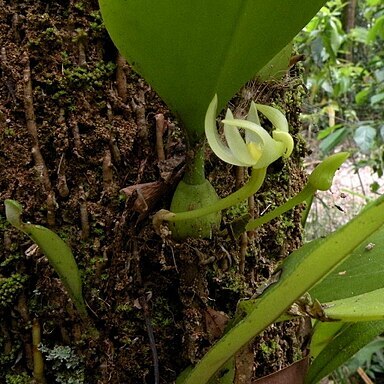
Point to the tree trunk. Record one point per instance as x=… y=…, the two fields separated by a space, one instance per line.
x=85 y=149
x=348 y=19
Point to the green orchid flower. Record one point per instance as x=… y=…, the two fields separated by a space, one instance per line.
x=258 y=148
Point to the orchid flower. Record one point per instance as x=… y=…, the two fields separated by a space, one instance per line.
x=258 y=148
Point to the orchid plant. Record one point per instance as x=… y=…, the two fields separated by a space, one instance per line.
x=258 y=149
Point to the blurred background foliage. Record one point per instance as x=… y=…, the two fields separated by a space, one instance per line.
x=344 y=50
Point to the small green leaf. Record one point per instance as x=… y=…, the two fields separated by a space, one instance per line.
x=362 y=96
x=332 y=140
x=327 y=131
x=377 y=98
x=55 y=249
x=364 y=137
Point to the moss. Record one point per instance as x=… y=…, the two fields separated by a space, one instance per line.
x=87 y=77
x=269 y=347
x=22 y=378
x=8 y=355
x=10 y=288
x=236 y=211
x=11 y=259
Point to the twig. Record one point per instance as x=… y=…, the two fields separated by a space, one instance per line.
x=107 y=170
x=76 y=137
x=151 y=336
x=244 y=236
x=15 y=27
x=139 y=108
x=121 y=79
x=83 y=214
x=51 y=208
x=62 y=185
x=160 y=129
x=115 y=151
x=251 y=211
x=364 y=376
x=82 y=55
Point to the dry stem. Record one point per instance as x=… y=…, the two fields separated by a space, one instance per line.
x=32 y=129
x=121 y=79
x=83 y=214
x=160 y=129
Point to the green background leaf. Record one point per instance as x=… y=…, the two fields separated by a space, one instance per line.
x=364 y=137
x=190 y=50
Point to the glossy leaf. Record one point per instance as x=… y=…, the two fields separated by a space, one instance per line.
x=298 y=273
x=191 y=50
x=55 y=249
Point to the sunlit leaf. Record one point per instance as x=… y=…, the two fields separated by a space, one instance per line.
x=362 y=272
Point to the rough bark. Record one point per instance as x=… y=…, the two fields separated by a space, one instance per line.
x=76 y=127
x=348 y=20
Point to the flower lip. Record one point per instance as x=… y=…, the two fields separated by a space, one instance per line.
x=258 y=148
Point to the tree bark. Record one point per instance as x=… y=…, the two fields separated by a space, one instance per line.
x=348 y=20
x=77 y=126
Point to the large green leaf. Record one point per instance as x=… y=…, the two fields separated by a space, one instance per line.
x=190 y=50
x=299 y=272
x=362 y=272
x=353 y=292
x=55 y=249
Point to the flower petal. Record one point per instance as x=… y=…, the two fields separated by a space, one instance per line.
x=286 y=139
x=274 y=116
x=271 y=149
x=236 y=143
x=213 y=137
x=253 y=116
